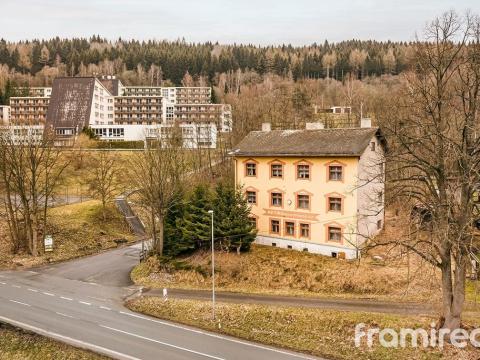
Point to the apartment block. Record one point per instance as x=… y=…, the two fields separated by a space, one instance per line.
x=172 y=95
x=31 y=110
x=76 y=103
x=220 y=114
x=320 y=191
x=105 y=104
x=138 y=110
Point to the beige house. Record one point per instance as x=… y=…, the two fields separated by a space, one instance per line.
x=318 y=190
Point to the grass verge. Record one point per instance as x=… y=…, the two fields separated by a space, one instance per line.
x=17 y=344
x=318 y=332
x=269 y=270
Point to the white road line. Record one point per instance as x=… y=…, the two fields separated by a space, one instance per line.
x=105 y=308
x=92 y=283
x=64 y=315
x=66 y=298
x=96 y=298
x=163 y=343
x=300 y=356
x=21 y=303
x=48 y=294
x=70 y=340
x=16 y=286
x=32 y=272
x=85 y=303
x=1 y=282
x=32 y=290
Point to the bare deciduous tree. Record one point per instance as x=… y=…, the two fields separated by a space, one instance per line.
x=158 y=173
x=30 y=171
x=434 y=153
x=103 y=179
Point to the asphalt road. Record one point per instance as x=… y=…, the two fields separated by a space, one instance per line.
x=80 y=302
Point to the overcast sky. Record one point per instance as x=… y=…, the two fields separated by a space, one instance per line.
x=298 y=22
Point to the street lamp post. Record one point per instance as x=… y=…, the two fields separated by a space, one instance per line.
x=213 y=270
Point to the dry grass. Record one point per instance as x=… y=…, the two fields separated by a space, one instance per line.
x=17 y=344
x=269 y=270
x=77 y=230
x=318 y=332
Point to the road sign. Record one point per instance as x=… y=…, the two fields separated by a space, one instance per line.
x=48 y=243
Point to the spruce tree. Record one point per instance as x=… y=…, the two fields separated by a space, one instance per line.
x=195 y=225
x=232 y=223
x=173 y=237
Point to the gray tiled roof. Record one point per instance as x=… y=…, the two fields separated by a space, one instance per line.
x=71 y=102
x=305 y=143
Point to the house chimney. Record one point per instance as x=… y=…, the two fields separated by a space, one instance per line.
x=366 y=123
x=314 y=126
x=266 y=126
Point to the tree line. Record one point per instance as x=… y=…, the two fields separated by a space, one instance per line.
x=172 y=59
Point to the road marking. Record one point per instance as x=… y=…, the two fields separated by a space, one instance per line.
x=48 y=294
x=217 y=336
x=16 y=286
x=66 y=298
x=105 y=308
x=1 y=282
x=33 y=290
x=96 y=298
x=73 y=341
x=32 y=272
x=65 y=315
x=92 y=283
x=162 y=343
x=21 y=303
x=85 y=303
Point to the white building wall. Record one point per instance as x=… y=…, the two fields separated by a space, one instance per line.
x=102 y=100
x=323 y=249
x=370 y=192
x=193 y=135
x=4 y=114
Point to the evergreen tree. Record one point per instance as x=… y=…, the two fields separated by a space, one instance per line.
x=174 y=243
x=232 y=223
x=195 y=225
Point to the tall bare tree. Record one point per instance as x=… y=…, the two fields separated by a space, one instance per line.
x=103 y=179
x=30 y=169
x=434 y=153
x=158 y=173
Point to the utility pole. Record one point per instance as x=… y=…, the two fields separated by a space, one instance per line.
x=213 y=270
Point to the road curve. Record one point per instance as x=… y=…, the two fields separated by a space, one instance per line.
x=81 y=302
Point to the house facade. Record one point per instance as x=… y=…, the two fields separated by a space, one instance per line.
x=319 y=191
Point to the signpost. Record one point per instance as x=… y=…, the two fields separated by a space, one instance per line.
x=48 y=243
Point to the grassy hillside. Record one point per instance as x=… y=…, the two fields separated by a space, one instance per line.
x=280 y=271
x=77 y=230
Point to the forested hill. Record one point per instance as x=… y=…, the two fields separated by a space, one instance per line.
x=170 y=60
